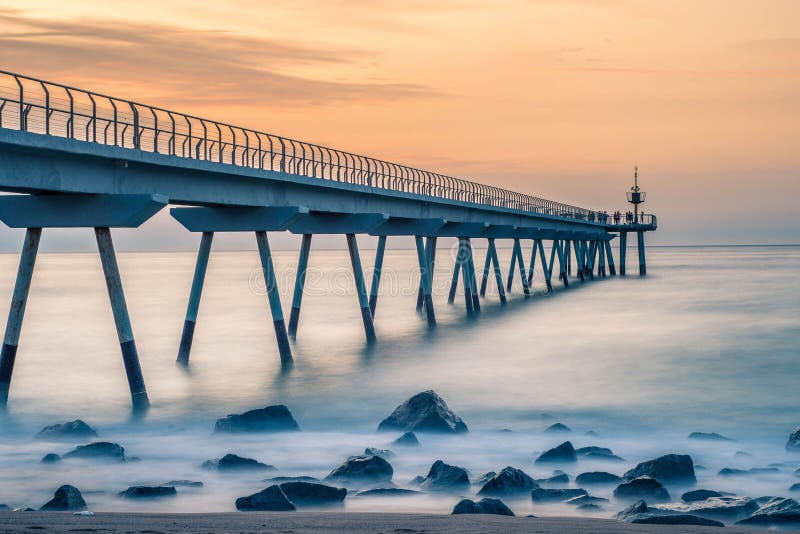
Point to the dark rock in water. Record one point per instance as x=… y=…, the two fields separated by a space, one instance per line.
x=27 y=509
x=674 y=519
x=281 y=480
x=590 y=507
x=443 y=477
x=409 y=439
x=484 y=506
x=505 y=430
x=362 y=469
x=639 y=507
x=564 y=453
x=597 y=478
x=763 y=470
x=66 y=498
x=727 y=508
x=417 y=480
x=387 y=492
x=793 y=445
x=311 y=494
x=795 y=487
x=76 y=429
x=730 y=472
x=591 y=433
x=709 y=436
x=101 y=450
x=484 y=478
x=797 y=473
x=271 y=499
x=509 y=481
x=184 y=483
x=558 y=428
x=148 y=492
x=4 y=507
x=383 y=453
x=643 y=487
x=559 y=478
x=51 y=458
x=677 y=468
x=585 y=499
x=742 y=454
x=778 y=512
x=556 y=495
x=232 y=462
x=764 y=499
x=424 y=412
x=699 y=495
x=270 y=419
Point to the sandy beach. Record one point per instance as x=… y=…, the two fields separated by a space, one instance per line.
x=303 y=522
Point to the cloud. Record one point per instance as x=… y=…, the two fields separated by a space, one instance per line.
x=177 y=64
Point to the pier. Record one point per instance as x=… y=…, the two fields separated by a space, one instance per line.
x=80 y=159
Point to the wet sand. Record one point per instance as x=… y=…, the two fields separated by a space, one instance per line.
x=310 y=522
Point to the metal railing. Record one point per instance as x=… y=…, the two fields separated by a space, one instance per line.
x=38 y=106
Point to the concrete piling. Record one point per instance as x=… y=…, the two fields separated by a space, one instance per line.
x=273 y=297
x=192 y=308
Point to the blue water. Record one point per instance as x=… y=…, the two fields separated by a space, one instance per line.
x=707 y=342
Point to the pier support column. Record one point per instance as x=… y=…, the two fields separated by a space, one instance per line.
x=462 y=260
x=611 y=267
x=130 y=356
x=476 y=301
x=562 y=264
x=425 y=275
x=451 y=296
x=532 y=264
x=642 y=263
x=623 y=251
x=19 y=300
x=376 y=275
x=192 y=308
x=591 y=251
x=547 y=273
x=299 y=285
x=553 y=251
x=601 y=254
x=579 y=260
x=487 y=265
x=430 y=254
x=274 y=297
x=498 y=276
x=361 y=288
x=526 y=289
x=568 y=255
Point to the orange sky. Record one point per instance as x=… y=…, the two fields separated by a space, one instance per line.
x=554 y=98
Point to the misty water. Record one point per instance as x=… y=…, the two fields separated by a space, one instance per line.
x=707 y=342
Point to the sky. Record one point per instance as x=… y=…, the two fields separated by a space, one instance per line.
x=557 y=98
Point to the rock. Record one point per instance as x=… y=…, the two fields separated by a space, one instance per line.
x=148 y=492
x=590 y=507
x=639 y=507
x=795 y=487
x=709 y=436
x=484 y=478
x=76 y=429
x=271 y=499
x=387 y=492
x=764 y=499
x=100 y=450
x=643 y=487
x=742 y=454
x=793 y=445
x=564 y=453
x=26 y=509
x=362 y=469
x=699 y=495
x=797 y=473
x=51 y=458
x=383 y=453
x=232 y=462
x=184 y=483
x=417 y=480
x=311 y=494
x=270 y=419
x=281 y=480
x=66 y=498
x=585 y=499
x=409 y=439
x=597 y=478
x=558 y=428
x=4 y=507
x=778 y=512
x=509 y=481
x=674 y=519
x=671 y=468
x=424 y=412
x=484 y=506
x=598 y=453
x=728 y=508
x=591 y=433
x=443 y=477
x=730 y=472
x=556 y=495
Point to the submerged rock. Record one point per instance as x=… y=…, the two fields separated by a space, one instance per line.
x=556 y=495
x=639 y=507
x=795 y=487
x=271 y=499
x=383 y=453
x=558 y=428
x=674 y=519
x=148 y=492
x=484 y=478
x=101 y=450
x=597 y=478
x=793 y=445
x=677 y=468
x=484 y=506
x=66 y=498
x=709 y=436
x=276 y=418
x=362 y=469
x=184 y=483
x=564 y=453
x=777 y=512
x=232 y=462
x=728 y=508
x=598 y=453
x=387 y=492
x=730 y=472
x=510 y=481
x=76 y=429
x=643 y=487
x=4 y=507
x=590 y=507
x=699 y=495
x=444 y=477
x=585 y=499
x=51 y=458
x=312 y=494
x=559 y=478
x=424 y=412
x=281 y=480
x=409 y=439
